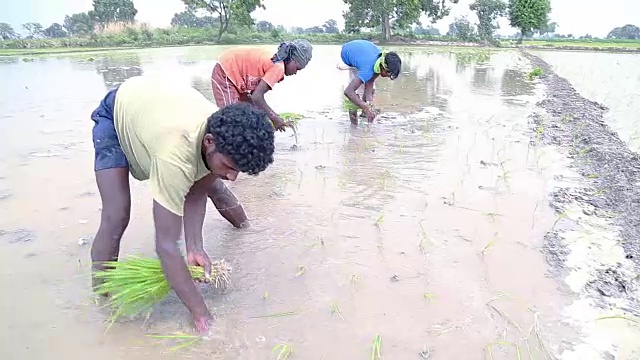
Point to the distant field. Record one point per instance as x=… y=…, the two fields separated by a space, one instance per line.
x=585 y=43
x=604 y=44
x=59 y=50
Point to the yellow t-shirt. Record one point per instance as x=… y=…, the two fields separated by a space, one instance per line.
x=160 y=126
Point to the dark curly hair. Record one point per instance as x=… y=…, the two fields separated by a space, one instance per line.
x=244 y=133
x=393 y=64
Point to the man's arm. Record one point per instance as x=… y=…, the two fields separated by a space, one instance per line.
x=168 y=226
x=195 y=206
x=368 y=89
x=257 y=97
x=350 y=93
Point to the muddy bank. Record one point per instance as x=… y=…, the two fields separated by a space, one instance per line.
x=612 y=173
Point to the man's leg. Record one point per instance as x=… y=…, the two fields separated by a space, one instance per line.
x=113 y=185
x=227 y=204
x=112 y=177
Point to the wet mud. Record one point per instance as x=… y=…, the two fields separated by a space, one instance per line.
x=424 y=228
x=611 y=172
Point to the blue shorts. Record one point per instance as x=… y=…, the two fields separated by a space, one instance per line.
x=108 y=152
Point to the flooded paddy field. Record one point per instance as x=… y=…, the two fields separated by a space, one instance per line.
x=426 y=230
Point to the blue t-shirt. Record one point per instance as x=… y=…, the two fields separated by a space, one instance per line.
x=362 y=55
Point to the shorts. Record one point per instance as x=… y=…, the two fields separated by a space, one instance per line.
x=353 y=74
x=108 y=152
x=224 y=91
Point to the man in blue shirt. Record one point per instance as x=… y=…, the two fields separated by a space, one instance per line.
x=367 y=61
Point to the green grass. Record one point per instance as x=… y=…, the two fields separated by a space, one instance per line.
x=595 y=43
x=59 y=50
x=149 y=38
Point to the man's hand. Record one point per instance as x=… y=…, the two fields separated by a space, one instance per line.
x=279 y=125
x=200 y=257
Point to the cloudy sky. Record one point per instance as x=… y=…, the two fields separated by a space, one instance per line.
x=578 y=17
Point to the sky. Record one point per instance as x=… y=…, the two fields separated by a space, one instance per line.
x=577 y=17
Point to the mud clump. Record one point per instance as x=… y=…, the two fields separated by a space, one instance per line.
x=607 y=165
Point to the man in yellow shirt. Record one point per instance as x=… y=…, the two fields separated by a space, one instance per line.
x=174 y=137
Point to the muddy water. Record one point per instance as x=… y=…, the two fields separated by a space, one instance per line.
x=610 y=79
x=424 y=228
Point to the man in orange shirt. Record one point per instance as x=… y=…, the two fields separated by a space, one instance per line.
x=246 y=74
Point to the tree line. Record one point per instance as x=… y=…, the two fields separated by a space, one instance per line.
x=384 y=16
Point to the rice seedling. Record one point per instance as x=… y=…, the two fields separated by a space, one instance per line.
x=506 y=316
x=379 y=220
x=567 y=119
x=423 y=237
x=291 y=118
x=348 y=105
x=301 y=270
x=275 y=315
x=336 y=310
x=561 y=216
x=355 y=279
x=620 y=317
x=489 y=348
x=284 y=351
x=376 y=348
x=183 y=340
x=136 y=284
x=489 y=245
x=265 y=296
x=537 y=72
x=429 y=296
x=539 y=132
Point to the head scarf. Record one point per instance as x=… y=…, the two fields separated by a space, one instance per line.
x=299 y=50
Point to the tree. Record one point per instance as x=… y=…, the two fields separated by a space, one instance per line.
x=34 y=29
x=189 y=19
x=237 y=11
x=488 y=12
x=108 y=11
x=625 y=32
x=314 y=30
x=550 y=28
x=331 y=27
x=373 y=13
x=7 y=32
x=264 y=26
x=78 y=24
x=54 y=31
x=429 y=30
x=462 y=29
x=529 y=15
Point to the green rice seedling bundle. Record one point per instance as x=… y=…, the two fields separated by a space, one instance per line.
x=136 y=284
x=348 y=105
x=291 y=117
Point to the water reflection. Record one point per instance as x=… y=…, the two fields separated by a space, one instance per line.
x=421 y=86
x=364 y=176
x=116 y=69
x=515 y=83
x=483 y=78
x=465 y=59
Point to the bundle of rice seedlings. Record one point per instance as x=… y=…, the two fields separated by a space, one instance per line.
x=348 y=105
x=136 y=284
x=291 y=117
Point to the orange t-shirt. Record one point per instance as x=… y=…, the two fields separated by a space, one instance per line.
x=245 y=67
